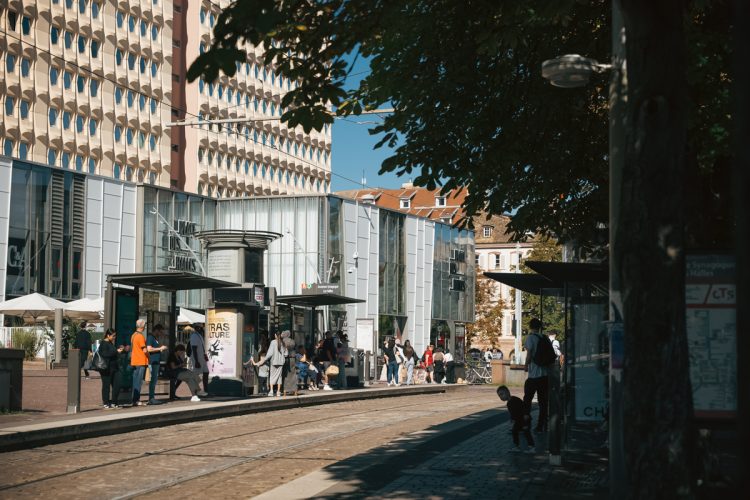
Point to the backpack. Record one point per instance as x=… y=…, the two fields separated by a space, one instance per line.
x=544 y=354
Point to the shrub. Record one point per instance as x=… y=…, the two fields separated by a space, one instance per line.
x=28 y=340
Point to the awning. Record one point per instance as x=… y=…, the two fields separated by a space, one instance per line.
x=319 y=300
x=571 y=272
x=529 y=283
x=169 y=281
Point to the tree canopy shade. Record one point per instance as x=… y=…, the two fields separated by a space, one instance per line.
x=471 y=108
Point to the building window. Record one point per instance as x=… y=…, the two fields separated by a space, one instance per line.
x=66 y=120
x=118 y=133
x=120 y=19
x=131 y=23
x=476 y=259
x=94 y=49
x=95 y=8
x=118 y=95
x=25 y=66
x=53 y=117
x=54 y=35
x=94 y=87
x=118 y=57
x=10 y=63
x=79 y=163
x=81 y=44
x=131 y=98
x=53 y=76
x=152 y=142
x=8 y=147
x=153 y=106
x=51 y=157
x=154 y=69
x=141 y=102
x=24 y=108
x=154 y=32
x=82 y=6
x=10 y=105
x=92 y=166
x=496 y=261
x=405 y=203
x=440 y=201
x=93 y=124
x=81 y=84
x=66 y=160
x=68 y=39
x=143 y=65
x=144 y=27
x=67 y=80
x=129 y=173
x=26 y=25
x=80 y=123
x=23 y=150
x=117 y=171
x=487 y=231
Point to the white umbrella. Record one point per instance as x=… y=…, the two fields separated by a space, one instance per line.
x=85 y=308
x=33 y=305
x=188 y=317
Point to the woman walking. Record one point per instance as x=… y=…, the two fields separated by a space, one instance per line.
x=111 y=374
x=389 y=356
x=410 y=359
x=290 y=365
x=277 y=354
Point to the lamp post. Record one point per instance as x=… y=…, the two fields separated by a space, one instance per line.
x=574 y=71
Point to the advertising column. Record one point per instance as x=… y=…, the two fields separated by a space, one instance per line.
x=222 y=342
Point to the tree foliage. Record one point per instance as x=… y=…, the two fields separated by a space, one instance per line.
x=488 y=310
x=471 y=108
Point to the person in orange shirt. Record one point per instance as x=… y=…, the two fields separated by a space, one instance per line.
x=138 y=360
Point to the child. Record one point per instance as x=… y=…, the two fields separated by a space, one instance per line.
x=521 y=419
x=302 y=367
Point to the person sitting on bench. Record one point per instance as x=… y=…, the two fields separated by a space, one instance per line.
x=178 y=373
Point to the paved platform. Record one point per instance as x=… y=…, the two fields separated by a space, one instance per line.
x=100 y=422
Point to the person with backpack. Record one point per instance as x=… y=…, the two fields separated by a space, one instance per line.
x=109 y=369
x=540 y=355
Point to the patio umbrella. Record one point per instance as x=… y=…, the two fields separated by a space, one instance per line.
x=90 y=309
x=188 y=317
x=33 y=306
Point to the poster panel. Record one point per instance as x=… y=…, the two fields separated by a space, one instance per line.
x=710 y=297
x=365 y=334
x=222 y=340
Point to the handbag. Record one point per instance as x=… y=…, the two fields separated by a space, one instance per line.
x=87 y=365
x=99 y=363
x=147 y=377
x=332 y=371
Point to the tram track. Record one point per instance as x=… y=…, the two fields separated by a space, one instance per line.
x=406 y=413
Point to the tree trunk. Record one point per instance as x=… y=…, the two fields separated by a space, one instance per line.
x=657 y=398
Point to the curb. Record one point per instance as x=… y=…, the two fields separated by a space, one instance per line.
x=60 y=431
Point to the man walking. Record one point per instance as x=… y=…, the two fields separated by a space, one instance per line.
x=83 y=343
x=138 y=359
x=537 y=382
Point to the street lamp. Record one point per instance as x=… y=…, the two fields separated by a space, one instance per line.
x=571 y=70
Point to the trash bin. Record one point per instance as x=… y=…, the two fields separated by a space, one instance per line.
x=11 y=379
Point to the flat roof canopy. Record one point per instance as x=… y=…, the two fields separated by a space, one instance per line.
x=319 y=300
x=571 y=272
x=169 y=281
x=529 y=283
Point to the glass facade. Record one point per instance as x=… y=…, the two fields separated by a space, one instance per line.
x=164 y=243
x=392 y=264
x=46 y=232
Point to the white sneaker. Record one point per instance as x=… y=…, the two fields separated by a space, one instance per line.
x=327 y=388
x=195 y=399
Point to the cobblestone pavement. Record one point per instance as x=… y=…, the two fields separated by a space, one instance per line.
x=232 y=457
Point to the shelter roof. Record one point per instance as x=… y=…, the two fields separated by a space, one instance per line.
x=169 y=281
x=317 y=300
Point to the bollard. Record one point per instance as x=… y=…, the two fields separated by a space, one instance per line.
x=366 y=372
x=74 y=380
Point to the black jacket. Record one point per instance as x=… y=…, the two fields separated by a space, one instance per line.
x=109 y=352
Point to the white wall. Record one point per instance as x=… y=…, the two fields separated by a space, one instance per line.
x=110 y=232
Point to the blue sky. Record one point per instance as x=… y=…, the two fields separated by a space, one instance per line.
x=352 y=150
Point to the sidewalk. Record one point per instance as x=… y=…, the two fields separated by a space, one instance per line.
x=469 y=459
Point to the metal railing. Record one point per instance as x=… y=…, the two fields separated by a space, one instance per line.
x=11 y=338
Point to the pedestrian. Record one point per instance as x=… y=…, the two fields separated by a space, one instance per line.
x=391 y=362
x=197 y=353
x=438 y=360
x=429 y=364
x=488 y=357
x=555 y=345
x=263 y=367
x=450 y=368
x=111 y=373
x=138 y=360
x=342 y=358
x=277 y=358
x=520 y=418
x=536 y=382
x=154 y=349
x=329 y=358
x=410 y=359
x=289 y=374
x=178 y=372
x=83 y=343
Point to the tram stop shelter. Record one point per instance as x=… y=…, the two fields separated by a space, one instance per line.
x=579 y=390
x=122 y=306
x=314 y=301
